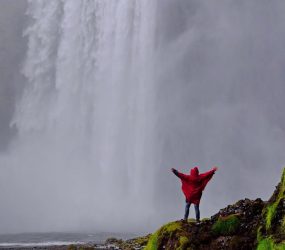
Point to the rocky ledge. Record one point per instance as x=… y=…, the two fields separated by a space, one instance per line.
x=247 y=224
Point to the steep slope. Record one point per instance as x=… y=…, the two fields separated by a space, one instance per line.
x=271 y=231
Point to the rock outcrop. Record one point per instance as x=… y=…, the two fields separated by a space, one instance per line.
x=234 y=227
x=271 y=230
x=248 y=224
x=245 y=225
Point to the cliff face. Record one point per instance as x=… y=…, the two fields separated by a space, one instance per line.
x=271 y=230
x=248 y=224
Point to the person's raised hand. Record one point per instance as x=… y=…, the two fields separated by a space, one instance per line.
x=172 y=169
x=215 y=168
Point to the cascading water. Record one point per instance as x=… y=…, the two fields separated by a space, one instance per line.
x=85 y=120
x=119 y=91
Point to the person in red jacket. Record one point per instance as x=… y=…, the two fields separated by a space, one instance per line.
x=193 y=186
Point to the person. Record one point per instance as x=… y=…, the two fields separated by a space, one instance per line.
x=192 y=187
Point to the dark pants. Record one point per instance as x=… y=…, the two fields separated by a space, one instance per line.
x=197 y=211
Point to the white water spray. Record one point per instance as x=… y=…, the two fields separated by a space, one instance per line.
x=119 y=91
x=85 y=120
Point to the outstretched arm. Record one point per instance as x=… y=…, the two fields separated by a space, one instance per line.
x=174 y=171
x=209 y=174
x=178 y=174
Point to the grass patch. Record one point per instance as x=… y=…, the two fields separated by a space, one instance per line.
x=268 y=244
x=226 y=225
x=271 y=209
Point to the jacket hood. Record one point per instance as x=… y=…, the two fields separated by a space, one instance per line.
x=194 y=171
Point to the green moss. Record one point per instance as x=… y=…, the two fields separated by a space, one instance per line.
x=183 y=243
x=152 y=242
x=259 y=235
x=270 y=213
x=264 y=240
x=271 y=209
x=264 y=245
x=171 y=226
x=226 y=225
x=164 y=231
x=269 y=244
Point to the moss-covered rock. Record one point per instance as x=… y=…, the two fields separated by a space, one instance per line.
x=268 y=243
x=247 y=224
x=271 y=232
x=227 y=225
x=169 y=236
x=183 y=242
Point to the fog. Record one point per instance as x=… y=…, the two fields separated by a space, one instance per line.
x=99 y=99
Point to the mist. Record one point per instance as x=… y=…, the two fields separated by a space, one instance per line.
x=101 y=98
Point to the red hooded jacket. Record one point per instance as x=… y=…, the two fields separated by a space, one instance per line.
x=194 y=184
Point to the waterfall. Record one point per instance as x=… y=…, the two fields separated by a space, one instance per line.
x=114 y=93
x=85 y=120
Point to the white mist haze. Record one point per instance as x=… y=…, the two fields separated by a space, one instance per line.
x=112 y=94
